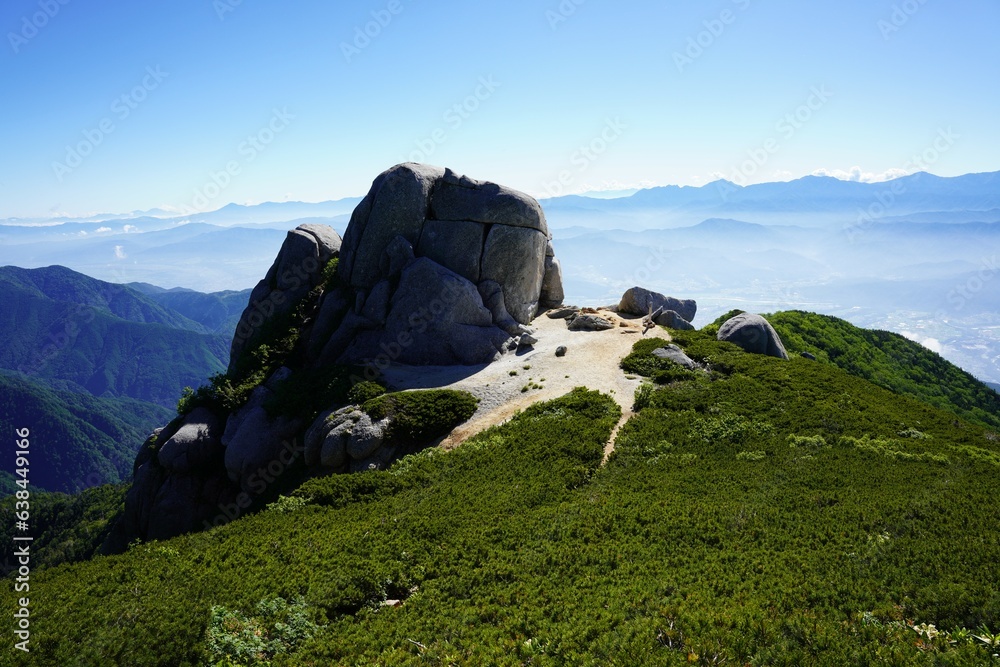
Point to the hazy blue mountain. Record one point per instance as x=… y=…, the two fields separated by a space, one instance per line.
x=108 y=340
x=995 y=386
x=77 y=440
x=808 y=201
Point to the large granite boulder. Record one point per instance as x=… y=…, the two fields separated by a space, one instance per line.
x=440 y=269
x=641 y=301
x=754 y=334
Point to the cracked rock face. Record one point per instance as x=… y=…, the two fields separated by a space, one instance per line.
x=444 y=270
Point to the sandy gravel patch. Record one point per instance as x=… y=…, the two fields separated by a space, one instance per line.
x=591 y=361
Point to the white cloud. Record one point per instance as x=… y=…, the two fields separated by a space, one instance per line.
x=932 y=344
x=782 y=175
x=858 y=175
x=103 y=230
x=120 y=252
x=130 y=228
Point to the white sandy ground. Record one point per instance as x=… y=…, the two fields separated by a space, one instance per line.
x=591 y=361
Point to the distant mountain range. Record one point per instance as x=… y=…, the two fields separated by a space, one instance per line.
x=805 y=201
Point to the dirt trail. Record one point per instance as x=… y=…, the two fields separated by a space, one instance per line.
x=591 y=361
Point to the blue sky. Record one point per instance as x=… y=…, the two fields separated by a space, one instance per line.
x=296 y=105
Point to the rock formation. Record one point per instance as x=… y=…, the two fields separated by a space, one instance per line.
x=754 y=334
x=434 y=269
x=438 y=269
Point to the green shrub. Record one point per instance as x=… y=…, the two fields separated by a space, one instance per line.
x=423 y=415
x=364 y=391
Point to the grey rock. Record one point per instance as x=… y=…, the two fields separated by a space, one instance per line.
x=333 y=453
x=462 y=198
x=395 y=206
x=514 y=257
x=590 y=323
x=640 y=301
x=672 y=320
x=527 y=340
x=296 y=270
x=563 y=313
x=315 y=435
x=436 y=317
x=397 y=255
x=809 y=355
x=561 y=351
x=366 y=437
x=676 y=355
x=195 y=444
x=377 y=304
x=332 y=309
x=550 y=250
x=277 y=377
x=492 y=295
x=552 y=294
x=255 y=442
x=454 y=244
x=754 y=334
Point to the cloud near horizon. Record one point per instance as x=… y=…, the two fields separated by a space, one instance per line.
x=857 y=175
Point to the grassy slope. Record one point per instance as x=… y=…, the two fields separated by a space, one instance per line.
x=888 y=360
x=77 y=440
x=708 y=536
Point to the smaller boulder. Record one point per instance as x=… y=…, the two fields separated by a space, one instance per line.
x=676 y=355
x=527 y=340
x=672 y=320
x=754 y=334
x=590 y=323
x=561 y=351
x=563 y=313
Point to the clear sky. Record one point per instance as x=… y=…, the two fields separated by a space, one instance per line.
x=301 y=104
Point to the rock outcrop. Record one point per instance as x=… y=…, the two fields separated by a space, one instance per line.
x=438 y=269
x=434 y=269
x=754 y=334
